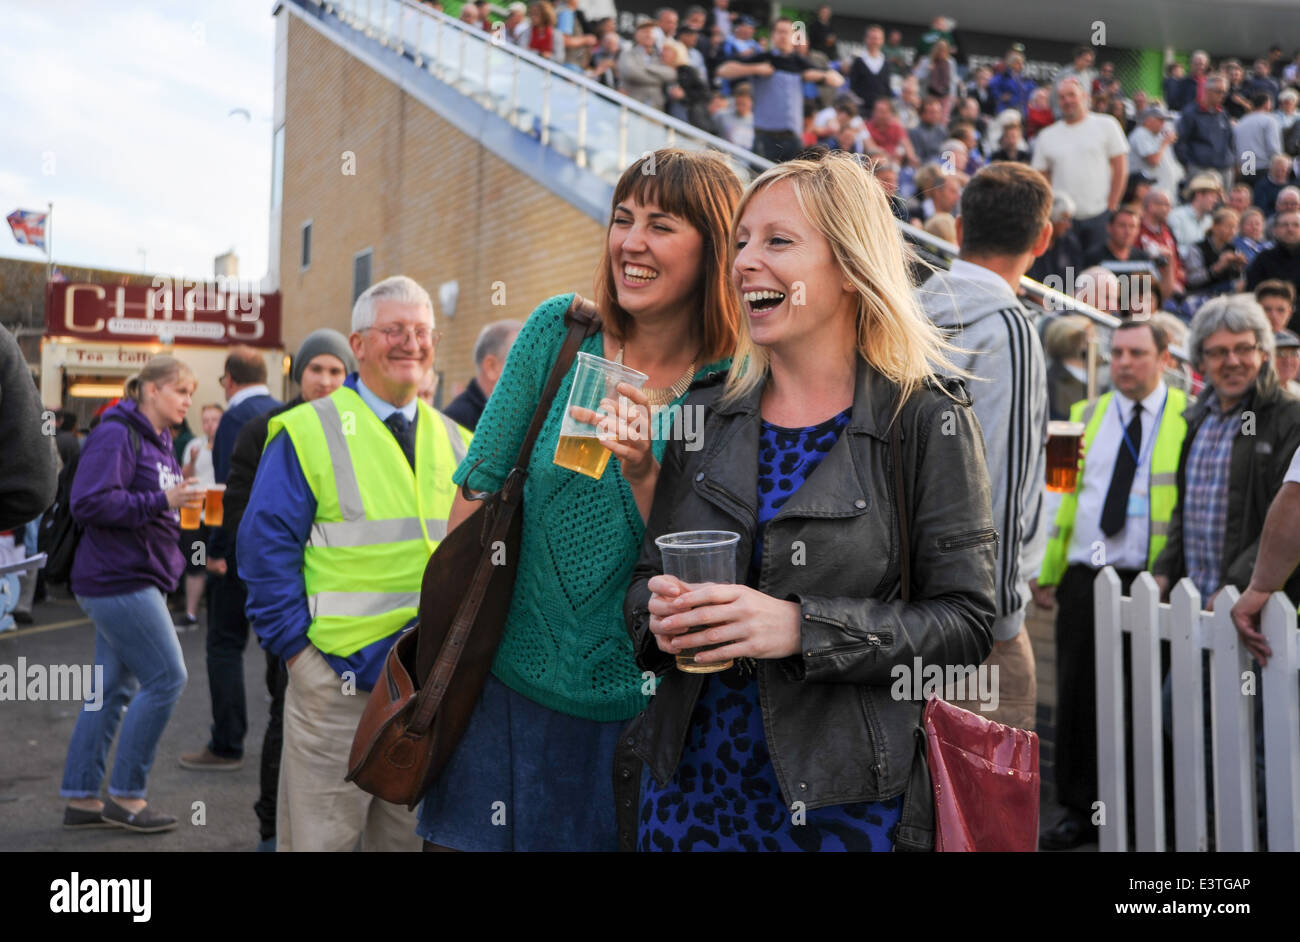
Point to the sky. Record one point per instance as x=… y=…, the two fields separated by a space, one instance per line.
x=118 y=111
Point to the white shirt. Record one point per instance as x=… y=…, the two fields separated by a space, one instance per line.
x=247 y=393
x=874 y=63
x=1128 y=548
x=1077 y=159
x=198 y=451
x=1293 y=472
x=1188 y=229
x=1168 y=172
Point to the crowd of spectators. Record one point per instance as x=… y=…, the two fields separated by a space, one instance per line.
x=1183 y=196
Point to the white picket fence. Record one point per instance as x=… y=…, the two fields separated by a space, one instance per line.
x=1234 y=689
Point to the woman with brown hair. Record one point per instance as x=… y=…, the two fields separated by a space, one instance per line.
x=808 y=742
x=533 y=770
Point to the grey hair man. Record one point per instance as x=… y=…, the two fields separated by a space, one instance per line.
x=490 y=350
x=1240 y=433
x=350 y=500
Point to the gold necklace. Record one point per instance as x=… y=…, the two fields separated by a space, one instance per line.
x=663 y=395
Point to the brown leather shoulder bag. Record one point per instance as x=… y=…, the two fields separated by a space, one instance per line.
x=435 y=671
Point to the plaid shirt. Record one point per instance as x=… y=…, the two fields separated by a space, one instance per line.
x=1205 y=499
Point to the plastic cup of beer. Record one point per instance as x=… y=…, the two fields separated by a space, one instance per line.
x=1063 y=455
x=595 y=378
x=192 y=510
x=696 y=557
x=213 y=512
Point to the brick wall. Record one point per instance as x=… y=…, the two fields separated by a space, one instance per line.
x=432 y=202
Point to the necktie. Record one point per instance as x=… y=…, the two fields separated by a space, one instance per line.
x=404 y=432
x=1115 y=510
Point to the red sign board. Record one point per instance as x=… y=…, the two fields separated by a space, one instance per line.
x=180 y=312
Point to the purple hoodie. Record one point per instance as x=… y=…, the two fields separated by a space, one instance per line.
x=132 y=538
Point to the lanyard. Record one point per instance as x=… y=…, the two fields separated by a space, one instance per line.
x=1123 y=431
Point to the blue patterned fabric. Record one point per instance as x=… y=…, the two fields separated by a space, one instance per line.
x=1205 y=501
x=724 y=795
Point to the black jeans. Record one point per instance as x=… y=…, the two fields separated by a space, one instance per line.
x=277 y=679
x=777 y=146
x=227 y=638
x=1076 y=687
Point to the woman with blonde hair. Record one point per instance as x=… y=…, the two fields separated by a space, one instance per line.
x=126 y=494
x=564 y=682
x=808 y=742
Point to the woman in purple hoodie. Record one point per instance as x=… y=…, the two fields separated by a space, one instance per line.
x=126 y=493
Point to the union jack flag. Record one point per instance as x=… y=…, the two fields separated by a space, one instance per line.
x=28 y=227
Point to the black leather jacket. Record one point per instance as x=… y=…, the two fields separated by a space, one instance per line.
x=835 y=733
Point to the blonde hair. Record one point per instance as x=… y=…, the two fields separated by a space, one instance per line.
x=848 y=206
x=943 y=226
x=160 y=371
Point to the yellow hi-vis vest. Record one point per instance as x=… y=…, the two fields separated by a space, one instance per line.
x=1164 y=482
x=377 y=521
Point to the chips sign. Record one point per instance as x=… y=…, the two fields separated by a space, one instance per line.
x=220 y=313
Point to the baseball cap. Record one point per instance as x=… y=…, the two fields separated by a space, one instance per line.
x=1155 y=111
x=517 y=7
x=1284 y=339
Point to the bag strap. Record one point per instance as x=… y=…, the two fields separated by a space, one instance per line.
x=583 y=320
x=900 y=498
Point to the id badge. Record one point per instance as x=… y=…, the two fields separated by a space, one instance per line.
x=1137 y=505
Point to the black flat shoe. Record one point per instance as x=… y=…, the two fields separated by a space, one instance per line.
x=1074 y=830
x=79 y=819
x=144 y=821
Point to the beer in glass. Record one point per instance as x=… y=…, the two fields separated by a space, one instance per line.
x=192 y=509
x=213 y=512
x=595 y=378
x=1063 y=455
x=695 y=557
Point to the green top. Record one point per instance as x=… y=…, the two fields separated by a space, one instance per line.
x=565 y=645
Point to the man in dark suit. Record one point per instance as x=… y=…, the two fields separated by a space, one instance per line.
x=244 y=382
x=490 y=350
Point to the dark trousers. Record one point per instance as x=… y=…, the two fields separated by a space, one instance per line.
x=227 y=638
x=1076 y=687
x=277 y=679
x=1091 y=233
x=777 y=146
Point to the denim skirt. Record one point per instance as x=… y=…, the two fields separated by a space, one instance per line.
x=525 y=778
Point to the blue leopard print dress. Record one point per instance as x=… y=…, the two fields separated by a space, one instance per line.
x=724 y=795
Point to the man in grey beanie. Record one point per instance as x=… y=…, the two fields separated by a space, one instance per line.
x=324 y=360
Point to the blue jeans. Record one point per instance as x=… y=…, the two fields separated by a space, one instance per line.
x=135 y=643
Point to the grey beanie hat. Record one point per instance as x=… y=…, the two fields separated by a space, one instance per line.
x=323 y=341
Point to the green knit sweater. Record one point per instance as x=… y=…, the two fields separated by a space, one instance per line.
x=565 y=645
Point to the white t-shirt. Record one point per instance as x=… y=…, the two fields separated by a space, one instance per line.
x=203 y=469
x=1077 y=159
x=1293 y=472
x=1168 y=172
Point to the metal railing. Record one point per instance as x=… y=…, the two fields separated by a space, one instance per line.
x=600 y=129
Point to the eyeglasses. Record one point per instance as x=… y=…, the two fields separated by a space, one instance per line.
x=397 y=334
x=1241 y=352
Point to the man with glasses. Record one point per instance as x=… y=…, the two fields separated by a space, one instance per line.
x=1241 y=433
x=350 y=500
x=247 y=396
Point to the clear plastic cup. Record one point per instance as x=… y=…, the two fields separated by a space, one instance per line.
x=696 y=557
x=595 y=378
